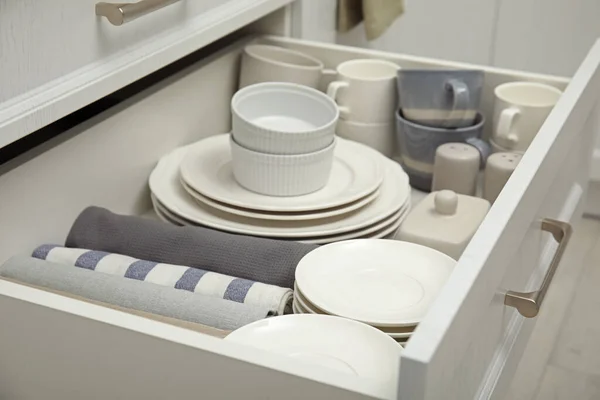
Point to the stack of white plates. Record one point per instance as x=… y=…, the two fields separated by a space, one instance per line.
x=383 y=283
x=367 y=196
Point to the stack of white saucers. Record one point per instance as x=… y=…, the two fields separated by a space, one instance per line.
x=365 y=196
x=387 y=284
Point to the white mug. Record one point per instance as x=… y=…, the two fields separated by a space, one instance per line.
x=365 y=90
x=379 y=136
x=264 y=63
x=520 y=110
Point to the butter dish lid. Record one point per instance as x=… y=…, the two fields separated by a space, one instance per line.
x=445 y=216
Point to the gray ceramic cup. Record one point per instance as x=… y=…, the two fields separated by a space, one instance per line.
x=440 y=98
x=417 y=145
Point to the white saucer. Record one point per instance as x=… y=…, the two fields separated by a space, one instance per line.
x=166 y=187
x=379 y=230
x=386 y=283
x=363 y=351
x=282 y=216
x=356 y=173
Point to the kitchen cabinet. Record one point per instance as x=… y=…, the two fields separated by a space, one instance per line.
x=469 y=343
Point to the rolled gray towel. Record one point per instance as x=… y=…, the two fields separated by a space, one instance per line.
x=136 y=295
x=262 y=260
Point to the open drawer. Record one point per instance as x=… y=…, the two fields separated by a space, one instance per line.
x=467 y=346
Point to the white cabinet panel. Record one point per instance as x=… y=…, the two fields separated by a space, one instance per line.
x=459 y=30
x=547 y=36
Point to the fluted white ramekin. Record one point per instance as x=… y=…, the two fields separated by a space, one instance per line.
x=283 y=118
x=281 y=175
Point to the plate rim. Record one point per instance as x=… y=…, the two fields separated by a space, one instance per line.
x=277 y=216
x=368 y=153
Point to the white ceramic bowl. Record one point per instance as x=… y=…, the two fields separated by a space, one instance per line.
x=281 y=175
x=283 y=118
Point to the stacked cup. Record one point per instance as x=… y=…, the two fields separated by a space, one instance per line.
x=365 y=91
x=437 y=107
x=520 y=109
x=283 y=138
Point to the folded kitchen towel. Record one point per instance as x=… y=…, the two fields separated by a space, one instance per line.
x=207 y=330
x=132 y=294
x=262 y=260
x=211 y=284
x=377 y=15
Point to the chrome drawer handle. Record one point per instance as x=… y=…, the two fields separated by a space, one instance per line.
x=528 y=304
x=120 y=13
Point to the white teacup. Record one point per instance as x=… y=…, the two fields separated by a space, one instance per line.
x=264 y=63
x=365 y=90
x=520 y=110
x=379 y=136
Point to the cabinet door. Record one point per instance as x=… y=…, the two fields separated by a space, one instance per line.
x=469 y=344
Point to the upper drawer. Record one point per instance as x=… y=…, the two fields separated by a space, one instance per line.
x=58 y=56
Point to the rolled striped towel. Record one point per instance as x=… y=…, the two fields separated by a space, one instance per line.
x=195 y=280
x=132 y=294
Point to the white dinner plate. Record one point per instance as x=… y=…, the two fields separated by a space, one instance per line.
x=386 y=283
x=166 y=187
x=282 y=216
x=337 y=343
x=380 y=230
x=357 y=172
x=303 y=306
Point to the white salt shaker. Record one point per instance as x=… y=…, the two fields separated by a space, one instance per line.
x=455 y=168
x=499 y=168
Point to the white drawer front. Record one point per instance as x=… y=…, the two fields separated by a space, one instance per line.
x=465 y=348
x=57 y=56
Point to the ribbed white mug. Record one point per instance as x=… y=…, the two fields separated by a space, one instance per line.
x=365 y=90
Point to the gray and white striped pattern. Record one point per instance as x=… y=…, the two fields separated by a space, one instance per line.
x=194 y=280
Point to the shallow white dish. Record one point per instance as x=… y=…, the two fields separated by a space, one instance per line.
x=279 y=175
x=337 y=343
x=279 y=216
x=303 y=306
x=283 y=118
x=165 y=185
x=356 y=172
x=386 y=283
x=380 y=230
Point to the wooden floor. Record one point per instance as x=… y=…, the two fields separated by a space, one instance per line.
x=562 y=360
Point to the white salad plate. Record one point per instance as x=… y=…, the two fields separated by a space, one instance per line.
x=166 y=187
x=377 y=231
x=363 y=351
x=385 y=283
x=357 y=172
x=282 y=216
x=301 y=305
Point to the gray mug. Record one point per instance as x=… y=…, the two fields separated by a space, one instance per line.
x=440 y=98
x=417 y=145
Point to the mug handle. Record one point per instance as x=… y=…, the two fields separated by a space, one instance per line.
x=460 y=97
x=505 y=124
x=332 y=91
x=483 y=147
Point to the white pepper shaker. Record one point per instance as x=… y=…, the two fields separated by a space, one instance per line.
x=499 y=168
x=455 y=168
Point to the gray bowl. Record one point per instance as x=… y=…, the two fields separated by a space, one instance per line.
x=417 y=145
